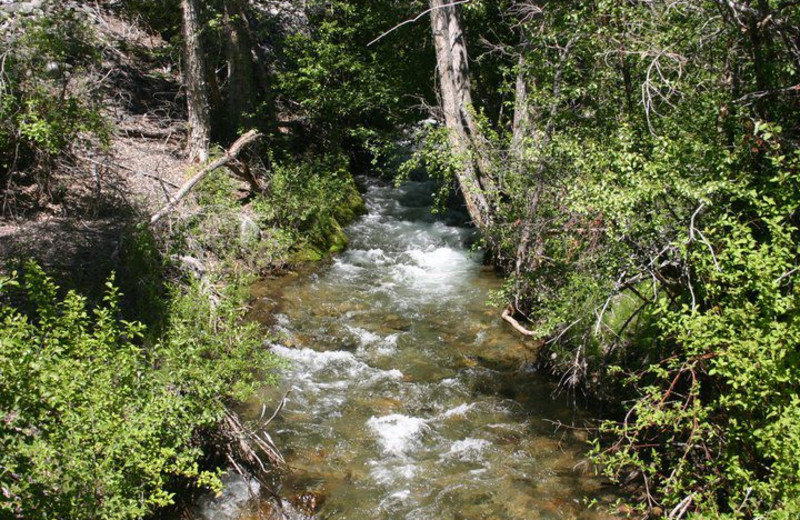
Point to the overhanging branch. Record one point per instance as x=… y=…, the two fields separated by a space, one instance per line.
x=415 y=19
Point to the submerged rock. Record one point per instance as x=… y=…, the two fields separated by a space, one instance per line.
x=308 y=502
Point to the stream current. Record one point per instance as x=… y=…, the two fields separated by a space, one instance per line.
x=410 y=398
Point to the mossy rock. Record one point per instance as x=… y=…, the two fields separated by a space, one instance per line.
x=352 y=207
x=324 y=233
x=336 y=238
x=307 y=253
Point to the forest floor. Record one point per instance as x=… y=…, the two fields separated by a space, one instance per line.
x=77 y=225
x=73 y=226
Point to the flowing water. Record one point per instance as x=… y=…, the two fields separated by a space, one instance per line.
x=410 y=398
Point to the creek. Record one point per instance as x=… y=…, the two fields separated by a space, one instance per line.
x=410 y=398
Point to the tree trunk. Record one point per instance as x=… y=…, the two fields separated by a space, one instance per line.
x=521 y=126
x=241 y=76
x=194 y=72
x=476 y=184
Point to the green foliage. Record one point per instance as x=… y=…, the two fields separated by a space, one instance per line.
x=310 y=202
x=724 y=406
x=299 y=216
x=341 y=86
x=433 y=157
x=649 y=225
x=97 y=422
x=44 y=107
x=217 y=189
x=141 y=278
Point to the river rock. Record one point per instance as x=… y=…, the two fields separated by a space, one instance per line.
x=308 y=502
x=249 y=231
x=393 y=322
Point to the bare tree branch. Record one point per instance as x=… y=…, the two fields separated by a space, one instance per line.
x=514 y=323
x=229 y=156
x=415 y=19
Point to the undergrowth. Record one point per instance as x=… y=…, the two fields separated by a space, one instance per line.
x=99 y=415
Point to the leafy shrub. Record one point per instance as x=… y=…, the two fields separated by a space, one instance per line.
x=651 y=220
x=46 y=103
x=311 y=201
x=97 y=422
x=723 y=408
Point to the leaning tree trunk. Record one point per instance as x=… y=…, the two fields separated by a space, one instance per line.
x=194 y=72
x=475 y=181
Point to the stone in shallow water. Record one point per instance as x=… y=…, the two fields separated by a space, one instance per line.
x=308 y=502
x=393 y=322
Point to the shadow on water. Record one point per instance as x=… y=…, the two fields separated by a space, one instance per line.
x=409 y=397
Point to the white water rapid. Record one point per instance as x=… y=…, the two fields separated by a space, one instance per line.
x=410 y=398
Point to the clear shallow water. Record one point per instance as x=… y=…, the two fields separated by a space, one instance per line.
x=409 y=396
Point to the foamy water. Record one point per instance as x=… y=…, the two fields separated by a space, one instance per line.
x=408 y=395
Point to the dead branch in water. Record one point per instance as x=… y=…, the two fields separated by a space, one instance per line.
x=251 y=451
x=247 y=446
x=514 y=323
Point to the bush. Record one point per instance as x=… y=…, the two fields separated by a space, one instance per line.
x=45 y=98
x=723 y=407
x=97 y=422
x=310 y=201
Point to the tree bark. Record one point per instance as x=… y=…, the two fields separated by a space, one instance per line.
x=466 y=139
x=241 y=75
x=194 y=72
x=522 y=115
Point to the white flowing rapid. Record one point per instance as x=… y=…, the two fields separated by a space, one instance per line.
x=410 y=398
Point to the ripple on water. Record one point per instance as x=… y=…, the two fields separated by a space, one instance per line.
x=397 y=434
x=408 y=400
x=467 y=450
x=238 y=496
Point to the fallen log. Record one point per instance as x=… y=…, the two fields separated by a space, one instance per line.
x=151 y=133
x=229 y=156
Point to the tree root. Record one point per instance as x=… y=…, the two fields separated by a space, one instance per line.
x=507 y=316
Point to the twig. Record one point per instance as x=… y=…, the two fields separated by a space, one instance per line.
x=746 y=496
x=681 y=508
x=559 y=425
x=787 y=274
x=272 y=418
x=136 y=172
x=415 y=19
x=608 y=301
x=693 y=230
x=563 y=331
x=752 y=96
